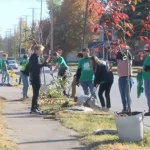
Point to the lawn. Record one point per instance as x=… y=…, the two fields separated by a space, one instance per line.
x=5 y=144
x=85 y=124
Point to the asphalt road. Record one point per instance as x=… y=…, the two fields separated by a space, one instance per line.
x=138 y=104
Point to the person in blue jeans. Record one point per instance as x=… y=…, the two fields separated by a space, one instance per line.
x=4 y=69
x=124 y=68
x=146 y=76
x=85 y=73
x=24 y=73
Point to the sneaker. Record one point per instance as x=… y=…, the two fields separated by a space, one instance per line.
x=9 y=84
x=36 y=111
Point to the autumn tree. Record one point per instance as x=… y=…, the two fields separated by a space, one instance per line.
x=68 y=25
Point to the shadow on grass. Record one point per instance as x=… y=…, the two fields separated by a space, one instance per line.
x=105 y=142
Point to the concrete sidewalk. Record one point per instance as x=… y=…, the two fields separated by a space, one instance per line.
x=32 y=132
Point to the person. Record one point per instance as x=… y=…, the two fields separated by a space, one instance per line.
x=124 y=69
x=24 y=73
x=62 y=67
x=21 y=59
x=146 y=76
x=35 y=76
x=85 y=73
x=74 y=83
x=104 y=77
x=4 y=69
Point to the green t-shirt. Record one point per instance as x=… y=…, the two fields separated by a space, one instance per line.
x=61 y=62
x=4 y=65
x=86 y=70
x=146 y=75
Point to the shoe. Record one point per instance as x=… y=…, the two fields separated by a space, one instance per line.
x=147 y=114
x=36 y=111
x=23 y=99
x=9 y=84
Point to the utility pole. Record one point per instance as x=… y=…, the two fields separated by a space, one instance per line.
x=41 y=15
x=20 y=41
x=85 y=25
x=25 y=30
x=9 y=41
x=51 y=30
x=15 y=40
x=33 y=15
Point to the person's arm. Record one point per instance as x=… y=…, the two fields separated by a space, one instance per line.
x=78 y=73
x=58 y=63
x=6 y=65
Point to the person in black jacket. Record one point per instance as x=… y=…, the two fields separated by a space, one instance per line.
x=35 y=66
x=104 y=77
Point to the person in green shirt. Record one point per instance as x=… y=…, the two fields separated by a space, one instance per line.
x=85 y=73
x=146 y=76
x=62 y=68
x=4 y=69
x=24 y=73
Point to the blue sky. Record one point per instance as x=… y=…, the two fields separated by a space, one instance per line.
x=12 y=10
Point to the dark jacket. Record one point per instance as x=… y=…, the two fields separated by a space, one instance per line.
x=102 y=74
x=34 y=66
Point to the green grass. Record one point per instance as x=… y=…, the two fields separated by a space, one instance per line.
x=85 y=124
x=5 y=144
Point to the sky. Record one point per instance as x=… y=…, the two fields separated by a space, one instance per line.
x=12 y=10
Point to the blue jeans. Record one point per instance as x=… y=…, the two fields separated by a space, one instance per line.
x=123 y=88
x=147 y=92
x=25 y=80
x=5 y=75
x=87 y=86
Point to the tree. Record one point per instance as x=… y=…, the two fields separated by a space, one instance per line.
x=68 y=25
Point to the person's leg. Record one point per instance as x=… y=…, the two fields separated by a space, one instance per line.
x=91 y=87
x=107 y=94
x=36 y=87
x=8 y=78
x=122 y=84
x=100 y=94
x=85 y=88
x=3 y=76
x=20 y=79
x=62 y=74
x=147 y=92
x=73 y=87
x=23 y=80
x=128 y=91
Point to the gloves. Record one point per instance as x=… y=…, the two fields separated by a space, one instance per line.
x=94 y=89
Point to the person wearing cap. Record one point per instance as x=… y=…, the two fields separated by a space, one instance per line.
x=24 y=73
x=62 y=68
x=124 y=69
x=146 y=76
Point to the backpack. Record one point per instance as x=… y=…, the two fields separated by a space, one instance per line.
x=26 y=70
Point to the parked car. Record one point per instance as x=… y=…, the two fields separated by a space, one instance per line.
x=12 y=64
x=11 y=58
